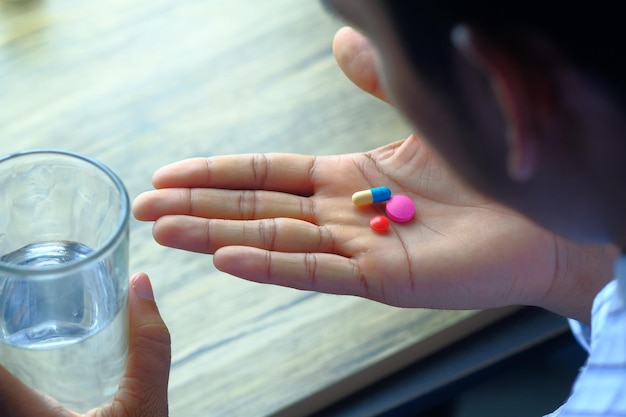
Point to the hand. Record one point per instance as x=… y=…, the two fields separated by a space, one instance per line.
x=289 y=220
x=143 y=389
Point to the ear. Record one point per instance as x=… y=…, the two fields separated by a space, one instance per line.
x=522 y=89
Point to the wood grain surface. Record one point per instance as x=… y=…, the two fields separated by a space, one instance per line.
x=138 y=84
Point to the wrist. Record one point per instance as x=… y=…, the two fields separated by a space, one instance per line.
x=581 y=271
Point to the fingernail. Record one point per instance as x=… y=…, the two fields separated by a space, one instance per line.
x=143 y=288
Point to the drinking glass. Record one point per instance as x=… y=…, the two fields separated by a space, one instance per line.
x=63 y=275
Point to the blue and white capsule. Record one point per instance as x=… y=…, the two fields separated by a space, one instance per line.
x=371 y=196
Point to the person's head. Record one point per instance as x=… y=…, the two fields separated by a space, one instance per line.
x=523 y=99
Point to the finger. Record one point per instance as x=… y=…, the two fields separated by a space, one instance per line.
x=275 y=172
x=321 y=272
x=221 y=204
x=277 y=234
x=143 y=389
x=19 y=400
x=357 y=59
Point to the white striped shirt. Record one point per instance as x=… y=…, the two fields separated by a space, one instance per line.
x=600 y=389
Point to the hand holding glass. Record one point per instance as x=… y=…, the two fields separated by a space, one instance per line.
x=63 y=275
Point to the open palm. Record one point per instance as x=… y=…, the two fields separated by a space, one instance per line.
x=288 y=220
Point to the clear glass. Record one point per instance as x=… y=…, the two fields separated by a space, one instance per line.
x=63 y=275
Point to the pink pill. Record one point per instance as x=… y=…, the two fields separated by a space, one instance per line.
x=400 y=208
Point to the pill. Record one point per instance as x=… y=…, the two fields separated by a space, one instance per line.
x=371 y=196
x=400 y=208
x=380 y=224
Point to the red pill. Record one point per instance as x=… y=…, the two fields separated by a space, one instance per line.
x=380 y=224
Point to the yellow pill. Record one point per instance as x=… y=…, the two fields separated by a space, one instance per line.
x=371 y=196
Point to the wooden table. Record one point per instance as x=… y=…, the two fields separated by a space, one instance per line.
x=142 y=83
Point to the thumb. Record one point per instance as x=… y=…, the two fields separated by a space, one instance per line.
x=143 y=389
x=357 y=59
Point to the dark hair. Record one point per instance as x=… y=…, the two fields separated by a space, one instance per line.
x=589 y=34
